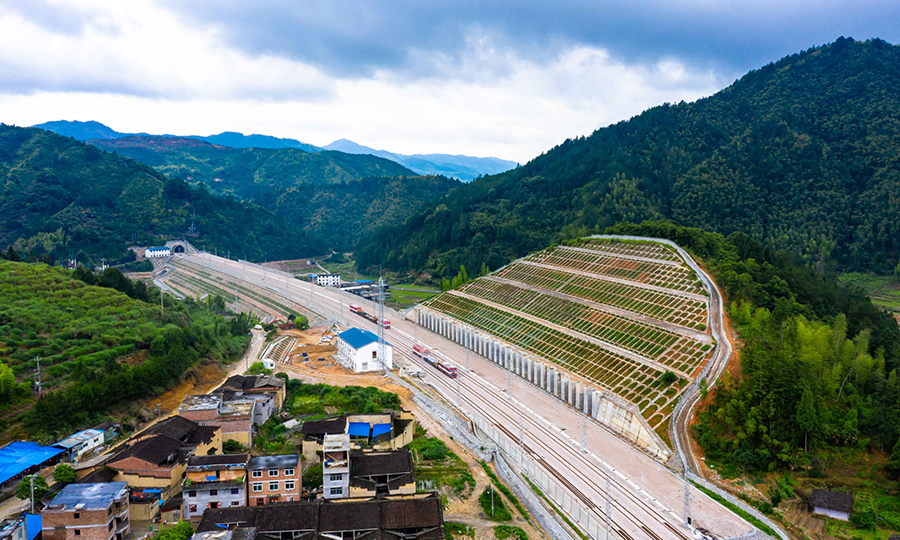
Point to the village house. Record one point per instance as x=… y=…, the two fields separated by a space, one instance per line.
x=833 y=504
x=214 y=482
x=410 y=517
x=153 y=462
x=88 y=512
x=380 y=473
x=273 y=479
x=387 y=430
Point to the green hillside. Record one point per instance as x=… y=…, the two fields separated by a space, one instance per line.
x=341 y=213
x=246 y=172
x=99 y=347
x=334 y=197
x=801 y=154
x=60 y=197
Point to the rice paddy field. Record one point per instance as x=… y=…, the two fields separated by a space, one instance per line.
x=617 y=314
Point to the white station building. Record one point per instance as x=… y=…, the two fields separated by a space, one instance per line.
x=328 y=280
x=155 y=252
x=358 y=350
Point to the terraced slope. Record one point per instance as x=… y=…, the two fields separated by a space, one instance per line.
x=616 y=314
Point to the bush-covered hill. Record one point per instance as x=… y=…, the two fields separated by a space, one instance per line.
x=99 y=347
x=333 y=197
x=246 y=172
x=59 y=196
x=340 y=214
x=801 y=154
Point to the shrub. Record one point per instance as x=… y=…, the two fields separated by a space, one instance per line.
x=493 y=506
x=501 y=532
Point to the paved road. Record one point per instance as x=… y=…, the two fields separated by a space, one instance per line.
x=647 y=497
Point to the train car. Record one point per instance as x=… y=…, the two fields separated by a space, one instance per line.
x=443 y=367
x=355 y=309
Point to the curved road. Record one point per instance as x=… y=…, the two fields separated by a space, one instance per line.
x=681 y=434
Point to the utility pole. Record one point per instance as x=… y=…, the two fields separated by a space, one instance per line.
x=467 y=359
x=687 y=499
x=381 y=327
x=521 y=437
x=162 y=308
x=608 y=508
x=584 y=447
x=158 y=411
x=32 y=494
x=37 y=375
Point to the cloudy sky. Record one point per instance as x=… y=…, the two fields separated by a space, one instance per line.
x=507 y=78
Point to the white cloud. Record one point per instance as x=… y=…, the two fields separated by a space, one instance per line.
x=136 y=67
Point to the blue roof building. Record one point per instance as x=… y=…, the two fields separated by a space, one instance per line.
x=19 y=458
x=357 y=350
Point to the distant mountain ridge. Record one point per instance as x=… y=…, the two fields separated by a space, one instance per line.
x=465 y=168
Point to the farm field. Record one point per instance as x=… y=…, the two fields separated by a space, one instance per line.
x=618 y=315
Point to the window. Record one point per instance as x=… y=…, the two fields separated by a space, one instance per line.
x=336 y=477
x=214 y=504
x=109 y=527
x=289 y=485
x=192 y=493
x=77 y=515
x=273 y=472
x=260 y=502
x=374 y=354
x=289 y=472
x=235 y=491
x=213 y=492
x=289 y=499
x=257 y=474
x=192 y=508
x=273 y=486
x=77 y=532
x=257 y=486
x=337 y=491
x=234 y=503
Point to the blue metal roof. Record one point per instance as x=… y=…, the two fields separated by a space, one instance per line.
x=358 y=338
x=33 y=525
x=88 y=496
x=17 y=457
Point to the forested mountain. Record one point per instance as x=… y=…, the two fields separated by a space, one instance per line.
x=246 y=172
x=239 y=140
x=801 y=154
x=340 y=214
x=59 y=197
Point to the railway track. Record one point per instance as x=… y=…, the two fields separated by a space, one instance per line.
x=637 y=515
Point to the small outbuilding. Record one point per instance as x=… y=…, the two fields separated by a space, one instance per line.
x=358 y=350
x=833 y=504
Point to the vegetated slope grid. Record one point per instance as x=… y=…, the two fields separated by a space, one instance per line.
x=617 y=314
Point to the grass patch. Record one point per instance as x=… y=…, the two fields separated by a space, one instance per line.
x=505 y=490
x=493 y=506
x=455 y=530
x=501 y=532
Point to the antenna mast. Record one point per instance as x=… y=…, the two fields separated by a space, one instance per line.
x=381 y=326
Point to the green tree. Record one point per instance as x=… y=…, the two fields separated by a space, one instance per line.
x=806 y=416
x=897 y=272
x=892 y=467
x=704 y=389
x=41 y=489
x=182 y=531
x=65 y=473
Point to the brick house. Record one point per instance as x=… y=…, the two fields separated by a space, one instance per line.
x=153 y=462
x=273 y=479
x=88 y=512
x=214 y=482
